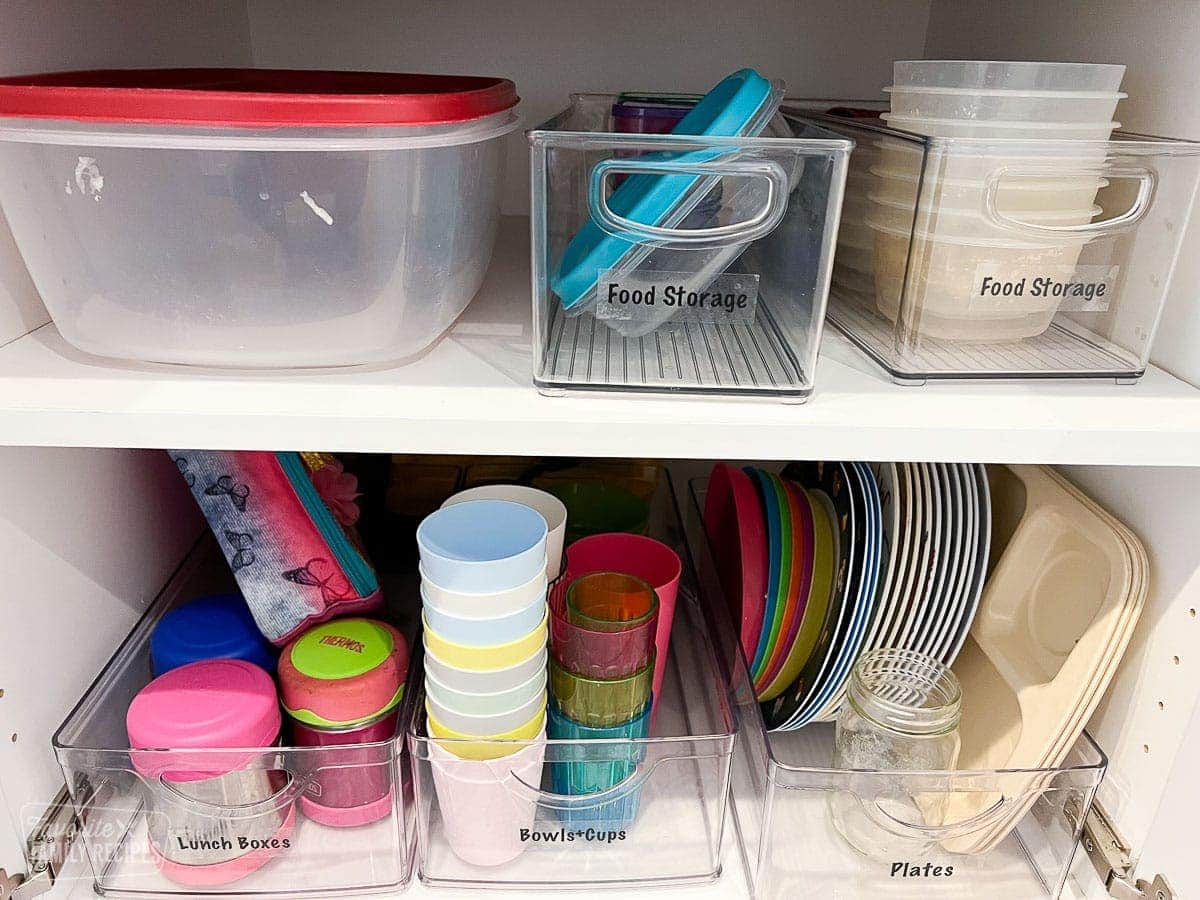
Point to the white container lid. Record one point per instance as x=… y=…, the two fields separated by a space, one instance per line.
x=1008 y=74
x=1004 y=92
x=904 y=123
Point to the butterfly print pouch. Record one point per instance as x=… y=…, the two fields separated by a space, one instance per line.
x=295 y=562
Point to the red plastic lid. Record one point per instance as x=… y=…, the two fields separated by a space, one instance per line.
x=255 y=98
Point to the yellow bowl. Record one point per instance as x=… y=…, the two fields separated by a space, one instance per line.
x=484 y=746
x=485 y=659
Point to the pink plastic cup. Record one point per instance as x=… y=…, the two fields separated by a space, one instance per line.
x=599 y=654
x=634 y=554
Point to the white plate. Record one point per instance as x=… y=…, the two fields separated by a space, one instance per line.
x=909 y=496
x=922 y=571
x=957 y=541
x=983 y=549
x=887 y=480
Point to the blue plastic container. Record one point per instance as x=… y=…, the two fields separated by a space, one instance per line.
x=215 y=627
x=482 y=631
x=482 y=546
x=587 y=769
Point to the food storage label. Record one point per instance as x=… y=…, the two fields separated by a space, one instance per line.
x=656 y=297
x=1066 y=288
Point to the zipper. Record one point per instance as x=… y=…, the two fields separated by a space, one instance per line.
x=356 y=569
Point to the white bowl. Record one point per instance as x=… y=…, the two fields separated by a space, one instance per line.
x=1017 y=106
x=474 y=682
x=500 y=722
x=473 y=703
x=486 y=605
x=1005 y=130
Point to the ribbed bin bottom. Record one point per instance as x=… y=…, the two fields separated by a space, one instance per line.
x=585 y=354
x=1056 y=353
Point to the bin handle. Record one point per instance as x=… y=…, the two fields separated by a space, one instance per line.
x=281 y=799
x=759 y=225
x=627 y=786
x=1147 y=186
x=992 y=815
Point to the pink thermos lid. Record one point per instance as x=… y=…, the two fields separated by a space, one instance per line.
x=209 y=704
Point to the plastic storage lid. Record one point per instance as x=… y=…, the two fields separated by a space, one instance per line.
x=343 y=673
x=209 y=704
x=255 y=98
x=215 y=627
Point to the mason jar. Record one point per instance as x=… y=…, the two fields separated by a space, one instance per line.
x=897 y=734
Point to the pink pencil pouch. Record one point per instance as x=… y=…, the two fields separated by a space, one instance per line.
x=284 y=522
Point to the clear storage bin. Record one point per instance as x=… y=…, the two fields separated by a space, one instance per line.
x=122 y=805
x=658 y=819
x=725 y=295
x=1042 y=284
x=786 y=795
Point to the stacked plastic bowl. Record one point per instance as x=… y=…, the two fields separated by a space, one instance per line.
x=987 y=201
x=602 y=666
x=483 y=592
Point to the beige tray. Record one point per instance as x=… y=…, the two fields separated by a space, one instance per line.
x=1059 y=607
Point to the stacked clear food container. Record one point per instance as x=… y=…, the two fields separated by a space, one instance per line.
x=996 y=227
x=736 y=266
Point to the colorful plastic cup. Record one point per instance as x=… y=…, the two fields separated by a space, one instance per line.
x=650 y=560
x=490 y=603
x=487 y=724
x=473 y=681
x=215 y=627
x=597 y=702
x=486 y=803
x=484 y=703
x=484 y=630
x=485 y=659
x=208 y=706
x=341 y=684
x=595 y=764
x=482 y=546
x=550 y=507
x=599 y=654
x=610 y=601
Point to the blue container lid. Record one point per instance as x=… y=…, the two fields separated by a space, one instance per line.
x=739 y=105
x=215 y=627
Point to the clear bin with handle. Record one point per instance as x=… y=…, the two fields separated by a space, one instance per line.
x=993 y=258
x=723 y=293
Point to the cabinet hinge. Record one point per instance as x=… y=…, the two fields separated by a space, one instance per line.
x=1110 y=857
x=45 y=851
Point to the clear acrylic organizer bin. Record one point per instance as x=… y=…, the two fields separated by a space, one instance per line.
x=1005 y=258
x=721 y=289
x=118 y=808
x=661 y=819
x=786 y=798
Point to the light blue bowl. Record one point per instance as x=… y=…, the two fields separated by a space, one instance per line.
x=482 y=546
x=484 y=632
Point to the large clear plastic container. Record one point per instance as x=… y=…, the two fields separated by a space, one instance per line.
x=657 y=817
x=284 y=246
x=121 y=806
x=727 y=295
x=1037 y=286
x=789 y=803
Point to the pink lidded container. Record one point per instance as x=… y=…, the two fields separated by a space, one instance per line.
x=341 y=684
x=215 y=810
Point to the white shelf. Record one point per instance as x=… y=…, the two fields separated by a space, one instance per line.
x=472 y=393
